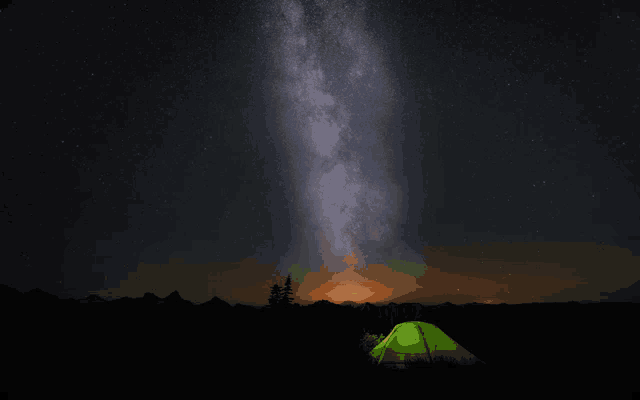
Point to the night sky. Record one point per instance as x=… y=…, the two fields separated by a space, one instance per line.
x=332 y=136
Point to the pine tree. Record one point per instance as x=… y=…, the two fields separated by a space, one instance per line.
x=286 y=300
x=274 y=299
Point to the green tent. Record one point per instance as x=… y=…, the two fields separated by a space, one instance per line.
x=419 y=339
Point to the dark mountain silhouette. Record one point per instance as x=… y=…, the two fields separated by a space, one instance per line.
x=630 y=293
x=216 y=303
x=92 y=298
x=324 y=304
x=10 y=295
x=151 y=299
x=175 y=300
x=37 y=295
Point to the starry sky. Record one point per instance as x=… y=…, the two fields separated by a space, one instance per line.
x=371 y=148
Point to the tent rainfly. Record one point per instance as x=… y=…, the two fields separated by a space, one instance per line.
x=413 y=339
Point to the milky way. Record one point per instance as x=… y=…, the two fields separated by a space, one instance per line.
x=335 y=97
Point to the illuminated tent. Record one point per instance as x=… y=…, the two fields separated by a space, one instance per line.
x=419 y=339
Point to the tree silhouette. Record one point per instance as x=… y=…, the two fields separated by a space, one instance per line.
x=286 y=300
x=276 y=295
x=281 y=296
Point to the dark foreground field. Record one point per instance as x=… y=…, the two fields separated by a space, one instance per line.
x=551 y=349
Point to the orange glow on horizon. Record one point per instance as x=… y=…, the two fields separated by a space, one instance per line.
x=500 y=273
x=357 y=292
